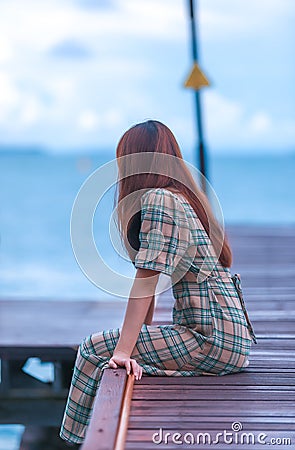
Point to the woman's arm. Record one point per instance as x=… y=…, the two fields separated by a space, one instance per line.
x=138 y=308
x=149 y=315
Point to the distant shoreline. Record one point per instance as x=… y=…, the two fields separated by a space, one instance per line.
x=14 y=150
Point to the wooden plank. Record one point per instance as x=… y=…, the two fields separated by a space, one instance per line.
x=102 y=430
x=42 y=438
x=220 y=407
x=147 y=446
x=175 y=388
x=275 y=344
x=243 y=378
x=38 y=411
x=22 y=394
x=215 y=394
x=144 y=437
x=32 y=323
x=45 y=353
x=124 y=416
x=214 y=422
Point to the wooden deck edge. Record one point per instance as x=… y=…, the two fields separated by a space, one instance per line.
x=124 y=416
x=109 y=420
x=102 y=430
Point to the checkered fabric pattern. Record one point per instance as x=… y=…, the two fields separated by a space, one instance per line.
x=209 y=333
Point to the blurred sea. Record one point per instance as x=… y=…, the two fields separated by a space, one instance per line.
x=37 y=191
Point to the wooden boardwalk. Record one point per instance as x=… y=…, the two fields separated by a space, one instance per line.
x=249 y=409
x=261 y=400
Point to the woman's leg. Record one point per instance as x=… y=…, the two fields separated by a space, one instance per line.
x=92 y=357
x=164 y=349
x=161 y=350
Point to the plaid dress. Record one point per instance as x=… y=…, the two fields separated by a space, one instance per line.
x=210 y=331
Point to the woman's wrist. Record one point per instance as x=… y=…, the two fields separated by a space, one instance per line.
x=121 y=353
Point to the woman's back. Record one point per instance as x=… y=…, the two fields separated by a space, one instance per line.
x=173 y=241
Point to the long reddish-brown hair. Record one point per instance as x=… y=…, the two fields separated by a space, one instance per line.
x=153 y=139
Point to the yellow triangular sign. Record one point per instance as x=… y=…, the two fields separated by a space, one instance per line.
x=196 y=78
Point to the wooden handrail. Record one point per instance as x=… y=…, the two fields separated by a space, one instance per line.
x=109 y=420
x=124 y=417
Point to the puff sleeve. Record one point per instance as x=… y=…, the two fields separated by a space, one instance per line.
x=164 y=233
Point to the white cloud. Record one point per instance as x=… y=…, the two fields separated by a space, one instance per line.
x=243 y=19
x=260 y=123
x=88 y=120
x=113 y=118
x=134 y=52
x=62 y=87
x=110 y=119
x=17 y=109
x=221 y=112
x=30 y=112
x=6 y=51
x=9 y=96
x=40 y=25
x=230 y=126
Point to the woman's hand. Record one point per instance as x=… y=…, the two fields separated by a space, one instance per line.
x=123 y=360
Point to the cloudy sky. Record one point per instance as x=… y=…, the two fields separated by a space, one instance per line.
x=74 y=74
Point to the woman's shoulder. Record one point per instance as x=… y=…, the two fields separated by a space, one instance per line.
x=160 y=196
x=162 y=201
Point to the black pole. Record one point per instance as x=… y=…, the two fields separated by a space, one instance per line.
x=201 y=147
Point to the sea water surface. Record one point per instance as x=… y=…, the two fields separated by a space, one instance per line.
x=37 y=192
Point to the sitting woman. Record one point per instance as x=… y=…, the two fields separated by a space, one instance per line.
x=167 y=227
